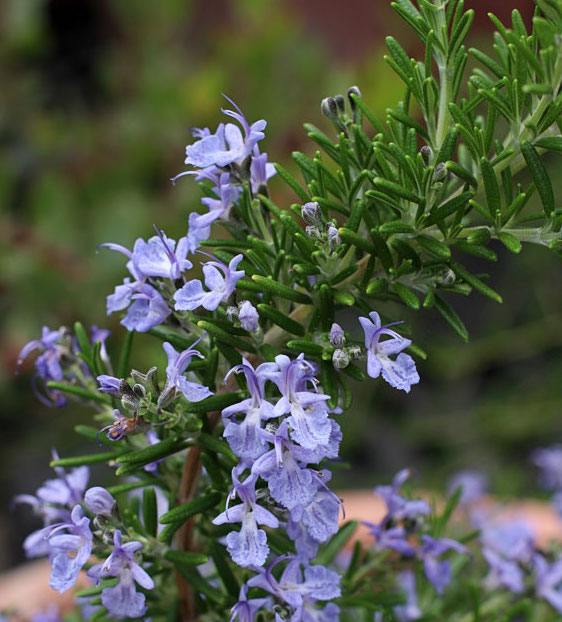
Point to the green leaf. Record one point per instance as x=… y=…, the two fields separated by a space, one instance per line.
x=354 y=239
x=222 y=564
x=381 y=249
x=491 y=187
x=329 y=551
x=179 y=341
x=186 y=558
x=306 y=347
x=396 y=189
x=450 y=316
x=326 y=307
x=435 y=247
x=490 y=64
x=368 y=113
x=540 y=176
x=123 y=369
x=83 y=341
x=79 y=391
x=149 y=511
x=222 y=335
x=406 y=295
x=292 y=182
x=408 y=122
x=476 y=249
x=343 y=298
x=396 y=226
x=462 y=173
x=182 y=512
x=476 y=282
x=217 y=445
x=452 y=206
x=151 y=453
x=372 y=601
x=215 y=402
x=105 y=456
x=355 y=372
x=201 y=585
x=510 y=241
x=283 y=291
x=282 y=320
x=448 y=146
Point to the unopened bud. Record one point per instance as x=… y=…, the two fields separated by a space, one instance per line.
x=353 y=90
x=311 y=213
x=313 y=232
x=333 y=236
x=129 y=399
x=340 y=103
x=354 y=352
x=448 y=277
x=340 y=359
x=99 y=501
x=231 y=313
x=329 y=108
x=337 y=338
x=248 y=316
x=440 y=173
x=426 y=154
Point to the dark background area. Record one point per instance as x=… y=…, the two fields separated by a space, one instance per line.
x=97 y=97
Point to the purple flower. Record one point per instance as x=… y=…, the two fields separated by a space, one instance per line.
x=283 y=467
x=399 y=508
x=473 y=486
x=245 y=610
x=47 y=364
x=389 y=537
x=437 y=571
x=502 y=571
x=308 y=410
x=122 y=600
x=69 y=551
x=244 y=437
x=109 y=385
x=148 y=310
x=248 y=547
x=177 y=365
x=318 y=583
x=99 y=501
x=248 y=316
x=409 y=610
x=311 y=524
x=53 y=502
x=549 y=461
x=227 y=145
x=221 y=286
x=52 y=614
x=159 y=257
x=260 y=171
x=549 y=581
x=400 y=373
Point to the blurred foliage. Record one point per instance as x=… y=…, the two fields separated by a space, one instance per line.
x=97 y=98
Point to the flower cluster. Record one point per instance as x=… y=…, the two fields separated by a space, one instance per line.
x=68 y=538
x=58 y=360
x=401 y=531
x=549 y=461
x=281 y=445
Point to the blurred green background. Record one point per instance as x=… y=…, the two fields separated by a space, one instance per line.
x=97 y=97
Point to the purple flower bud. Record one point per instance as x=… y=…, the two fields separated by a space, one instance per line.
x=248 y=316
x=354 y=352
x=353 y=90
x=426 y=154
x=231 y=313
x=337 y=338
x=340 y=359
x=311 y=213
x=440 y=173
x=313 y=232
x=329 y=108
x=99 y=501
x=333 y=236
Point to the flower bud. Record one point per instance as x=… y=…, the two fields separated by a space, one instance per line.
x=353 y=90
x=313 y=232
x=354 y=352
x=329 y=108
x=426 y=154
x=231 y=313
x=129 y=399
x=149 y=380
x=333 y=236
x=248 y=316
x=440 y=173
x=312 y=214
x=448 y=277
x=337 y=338
x=109 y=385
x=99 y=501
x=340 y=359
x=340 y=103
